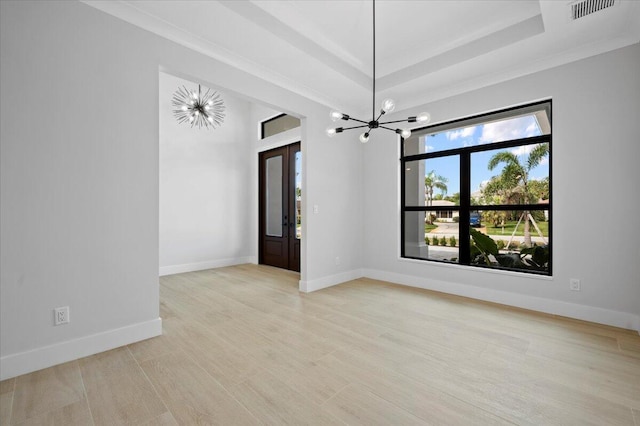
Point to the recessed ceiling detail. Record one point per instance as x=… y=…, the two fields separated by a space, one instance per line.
x=427 y=50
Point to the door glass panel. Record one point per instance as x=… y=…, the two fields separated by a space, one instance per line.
x=274 y=196
x=298 y=194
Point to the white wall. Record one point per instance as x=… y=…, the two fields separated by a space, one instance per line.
x=595 y=157
x=79 y=180
x=206 y=199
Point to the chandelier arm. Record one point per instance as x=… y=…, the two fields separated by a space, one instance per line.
x=354 y=127
x=397 y=121
x=359 y=121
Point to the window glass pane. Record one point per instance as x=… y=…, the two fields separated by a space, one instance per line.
x=433 y=182
x=437 y=241
x=274 y=196
x=518 y=175
x=298 y=194
x=508 y=239
x=474 y=132
x=279 y=124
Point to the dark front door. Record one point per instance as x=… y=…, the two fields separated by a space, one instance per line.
x=280 y=207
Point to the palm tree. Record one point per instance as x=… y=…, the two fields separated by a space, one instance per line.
x=432 y=180
x=516 y=176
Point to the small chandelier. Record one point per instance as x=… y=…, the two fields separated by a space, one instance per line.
x=198 y=109
x=387 y=106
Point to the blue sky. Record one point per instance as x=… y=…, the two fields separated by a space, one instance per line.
x=514 y=128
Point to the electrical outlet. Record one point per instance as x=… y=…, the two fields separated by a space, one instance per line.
x=574 y=284
x=61 y=315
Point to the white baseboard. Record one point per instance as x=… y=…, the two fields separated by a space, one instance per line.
x=201 y=266
x=47 y=356
x=320 y=283
x=572 y=310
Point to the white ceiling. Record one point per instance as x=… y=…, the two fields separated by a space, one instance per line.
x=425 y=50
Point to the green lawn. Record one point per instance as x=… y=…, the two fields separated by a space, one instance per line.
x=508 y=229
x=428 y=227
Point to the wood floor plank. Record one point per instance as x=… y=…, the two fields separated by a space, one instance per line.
x=356 y=405
x=6 y=401
x=76 y=414
x=165 y=419
x=151 y=348
x=46 y=390
x=117 y=389
x=7 y=385
x=275 y=403
x=192 y=395
x=423 y=401
x=228 y=364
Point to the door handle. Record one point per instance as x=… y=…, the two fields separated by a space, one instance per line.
x=285 y=223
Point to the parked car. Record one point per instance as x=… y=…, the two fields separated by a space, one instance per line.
x=474 y=219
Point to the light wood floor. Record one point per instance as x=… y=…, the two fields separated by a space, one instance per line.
x=242 y=346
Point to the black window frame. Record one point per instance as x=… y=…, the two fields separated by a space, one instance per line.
x=465 y=208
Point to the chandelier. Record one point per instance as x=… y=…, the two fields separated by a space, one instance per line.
x=198 y=109
x=388 y=105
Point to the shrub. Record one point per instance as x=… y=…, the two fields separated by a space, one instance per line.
x=500 y=244
x=452 y=241
x=443 y=241
x=456 y=219
x=426 y=240
x=434 y=241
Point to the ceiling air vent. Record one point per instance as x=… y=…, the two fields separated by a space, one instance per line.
x=580 y=9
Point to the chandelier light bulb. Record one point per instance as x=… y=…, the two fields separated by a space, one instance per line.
x=335 y=115
x=364 y=138
x=184 y=107
x=331 y=132
x=388 y=105
x=191 y=119
x=423 y=117
x=405 y=133
x=210 y=119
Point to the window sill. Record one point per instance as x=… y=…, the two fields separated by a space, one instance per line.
x=477 y=269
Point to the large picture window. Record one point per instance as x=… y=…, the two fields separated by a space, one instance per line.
x=477 y=191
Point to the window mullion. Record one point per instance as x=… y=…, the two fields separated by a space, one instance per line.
x=465 y=203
